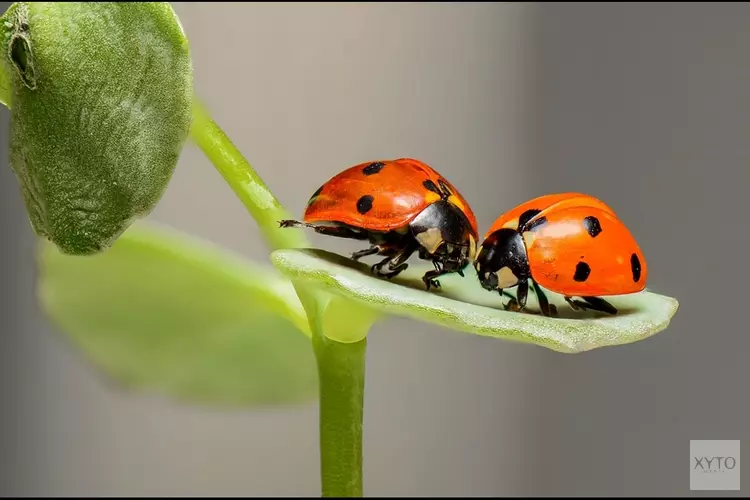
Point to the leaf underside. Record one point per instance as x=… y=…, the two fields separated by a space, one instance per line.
x=167 y=314
x=463 y=305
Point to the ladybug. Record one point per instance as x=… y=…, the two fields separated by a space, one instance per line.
x=570 y=243
x=400 y=206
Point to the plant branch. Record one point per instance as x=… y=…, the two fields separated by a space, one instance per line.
x=244 y=181
x=341 y=366
x=341 y=373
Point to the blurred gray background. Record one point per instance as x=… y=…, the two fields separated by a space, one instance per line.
x=644 y=105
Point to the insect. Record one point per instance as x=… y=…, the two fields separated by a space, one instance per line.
x=400 y=206
x=570 y=243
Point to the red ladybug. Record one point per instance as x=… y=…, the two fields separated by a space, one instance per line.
x=400 y=206
x=570 y=243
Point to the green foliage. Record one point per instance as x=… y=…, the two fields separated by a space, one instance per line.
x=463 y=305
x=247 y=185
x=101 y=97
x=169 y=314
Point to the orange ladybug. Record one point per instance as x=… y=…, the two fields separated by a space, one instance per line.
x=570 y=243
x=400 y=206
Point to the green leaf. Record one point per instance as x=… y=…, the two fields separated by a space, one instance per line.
x=168 y=314
x=101 y=105
x=463 y=305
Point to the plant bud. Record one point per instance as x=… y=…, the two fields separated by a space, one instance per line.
x=100 y=108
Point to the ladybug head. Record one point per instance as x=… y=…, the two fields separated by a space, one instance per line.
x=445 y=235
x=502 y=261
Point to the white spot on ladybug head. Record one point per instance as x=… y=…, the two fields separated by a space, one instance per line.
x=506 y=278
x=431 y=239
x=472 y=247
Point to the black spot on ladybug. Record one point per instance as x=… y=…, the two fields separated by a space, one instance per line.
x=428 y=184
x=592 y=226
x=364 y=204
x=582 y=272
x=373 y=168
x=526 y=217
x=314 y=195
x=635 y=266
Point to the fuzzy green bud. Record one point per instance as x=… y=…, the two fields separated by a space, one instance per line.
x=100 y=98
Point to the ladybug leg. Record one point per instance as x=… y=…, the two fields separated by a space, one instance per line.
x=439 y=270
x=395 y=270
x=319 y=227
x=293 y=223
x=375 y=268
x=599 y=304
x=512 y=304
x=523 y=294
x=541 y=298
x=364 y=253
x=576 y=305
x=396 y=264
x=429 y=277
x=592 y=303
x=328 y=229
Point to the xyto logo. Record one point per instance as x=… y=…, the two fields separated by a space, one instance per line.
x=713 y=465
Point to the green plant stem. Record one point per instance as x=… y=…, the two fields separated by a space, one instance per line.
x=244 y=181
x=341 y=366
x=341 y=373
